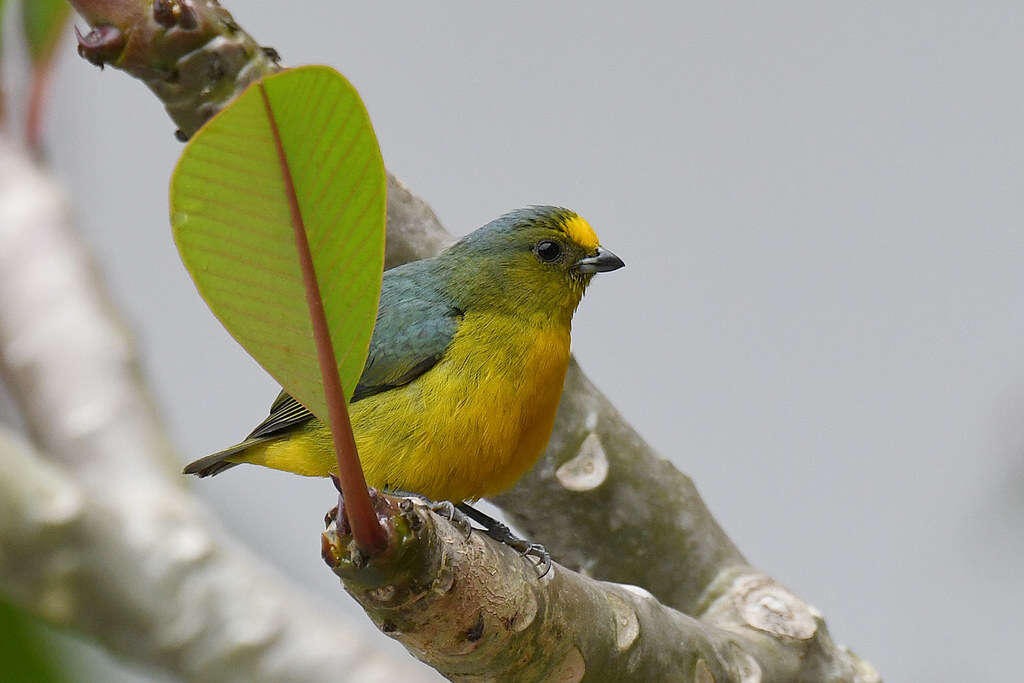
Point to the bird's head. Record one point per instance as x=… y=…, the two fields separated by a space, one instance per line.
x=539 y=259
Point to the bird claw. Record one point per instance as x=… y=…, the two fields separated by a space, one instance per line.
x=502 y=534
x=542 y=554
x=444 y=508
x=527 y=549
x=461 y=514
x=459 y=520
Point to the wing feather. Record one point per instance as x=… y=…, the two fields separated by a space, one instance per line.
x=415 y=325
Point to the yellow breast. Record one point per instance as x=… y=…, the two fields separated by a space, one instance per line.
x=474 y=423
x=469 y=427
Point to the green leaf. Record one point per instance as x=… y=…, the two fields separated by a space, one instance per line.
x=25 y=657
x=233 y=220
x=43 y=21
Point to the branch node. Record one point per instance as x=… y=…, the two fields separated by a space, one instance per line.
x=767 y=606
x=627 y=626
x=588 y=469
x=187 y=20
x=745 y=667
x=385 y=593
x=199 y=43
x=411 y=516
x=166 y=12
x=329 y=544
x=701 y=673
x=571 y=669
x=102 y=45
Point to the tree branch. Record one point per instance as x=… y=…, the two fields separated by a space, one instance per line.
x=475 y=610
x=103 y=538
x=150 y=580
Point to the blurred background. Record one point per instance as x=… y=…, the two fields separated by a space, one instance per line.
x=822 y=316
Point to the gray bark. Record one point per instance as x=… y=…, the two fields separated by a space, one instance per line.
x=475 y=610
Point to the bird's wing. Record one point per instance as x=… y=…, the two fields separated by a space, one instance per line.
x=415 y=325
x=285 y=413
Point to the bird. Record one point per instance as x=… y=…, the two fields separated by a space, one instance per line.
x=465 y=369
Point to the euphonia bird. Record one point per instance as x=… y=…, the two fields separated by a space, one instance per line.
x=465 y=368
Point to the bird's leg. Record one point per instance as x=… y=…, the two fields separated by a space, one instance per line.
x=460 y=514
x=502 y=534
x=445 y=508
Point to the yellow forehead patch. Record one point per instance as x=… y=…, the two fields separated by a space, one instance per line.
x=580 y=232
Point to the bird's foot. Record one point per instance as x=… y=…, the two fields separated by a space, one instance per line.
x=445 y=508
x=502 y=534
x=460 y=515
x=459 y=520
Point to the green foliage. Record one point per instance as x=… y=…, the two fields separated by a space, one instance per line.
x=22 y=659
x=43 y=21
x=233 y=218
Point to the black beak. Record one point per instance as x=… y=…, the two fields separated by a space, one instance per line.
x=603 y=261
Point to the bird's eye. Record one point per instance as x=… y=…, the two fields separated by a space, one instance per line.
x=548 y=251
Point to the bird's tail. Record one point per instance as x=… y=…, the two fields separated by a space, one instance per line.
x=215 y=463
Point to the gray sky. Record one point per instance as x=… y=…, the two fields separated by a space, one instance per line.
x=822 y=314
